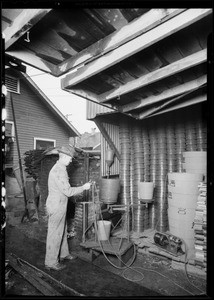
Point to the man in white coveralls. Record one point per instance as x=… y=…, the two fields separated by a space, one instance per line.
x=59 y=190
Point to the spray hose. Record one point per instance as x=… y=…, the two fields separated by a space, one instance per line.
x=135 y=252
x=101 y=246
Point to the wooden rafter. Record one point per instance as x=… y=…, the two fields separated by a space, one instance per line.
x=139 y=26
x=23 y=23
x=29 y=58
x=156 y=108
x=169 y=93
x=192 y=101
x=137 y=44
x=172 y=69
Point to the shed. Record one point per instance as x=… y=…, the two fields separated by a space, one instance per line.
x=145 y=73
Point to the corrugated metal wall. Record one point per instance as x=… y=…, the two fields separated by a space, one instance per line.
x=94 y=109
x=113 y=132
x=158 y=144
x=33 y=119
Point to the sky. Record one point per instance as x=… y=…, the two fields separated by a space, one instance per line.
x=71 y=106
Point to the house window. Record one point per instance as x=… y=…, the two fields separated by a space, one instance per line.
x=9 y=129
x=41 y=143
x=12 y=84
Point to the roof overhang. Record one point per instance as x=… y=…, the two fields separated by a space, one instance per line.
x=135 y=61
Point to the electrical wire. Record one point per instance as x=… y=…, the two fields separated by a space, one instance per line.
x=185 y=267
x=134 y=256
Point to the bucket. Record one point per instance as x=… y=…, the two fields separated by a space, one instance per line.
x=145 y=190
x=109 y=190
x=103 y=230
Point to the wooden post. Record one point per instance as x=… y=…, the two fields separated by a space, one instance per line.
x=26 y=214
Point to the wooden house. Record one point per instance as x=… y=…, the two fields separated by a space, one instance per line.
x=39 y=123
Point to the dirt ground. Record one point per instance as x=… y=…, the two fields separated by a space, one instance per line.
x=149 y=275
x=152 y=273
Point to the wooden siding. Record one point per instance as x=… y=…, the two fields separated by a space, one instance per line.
x=33 y=119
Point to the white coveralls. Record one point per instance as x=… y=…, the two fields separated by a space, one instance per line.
x=59 y=190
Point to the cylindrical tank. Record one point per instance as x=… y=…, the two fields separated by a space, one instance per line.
x=109 y=190
x=182 y=199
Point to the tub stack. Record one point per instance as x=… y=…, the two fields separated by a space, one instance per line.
x=182 y=199
x=171 y=148
x=200 y=227
x=201 y=136
x=190 y=135
x=140 y=213
x=180 y=144
x=146 y=173
x=158 y=175
x=125 y=147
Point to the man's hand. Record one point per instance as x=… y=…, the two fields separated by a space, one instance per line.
x=87 y=186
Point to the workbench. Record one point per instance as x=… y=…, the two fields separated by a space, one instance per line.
x=117 y=250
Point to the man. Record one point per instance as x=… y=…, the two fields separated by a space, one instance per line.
x=59 y=190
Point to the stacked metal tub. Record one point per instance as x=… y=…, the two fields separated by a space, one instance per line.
x=125 y=148
x=140 y=213
x=158 y=174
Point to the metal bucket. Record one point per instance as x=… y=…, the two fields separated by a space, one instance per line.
x=109 y=189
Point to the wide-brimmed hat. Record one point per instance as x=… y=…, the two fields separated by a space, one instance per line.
x=68 y=150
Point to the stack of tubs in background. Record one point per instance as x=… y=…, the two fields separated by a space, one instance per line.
x=132 y=185
x=201 y=136
x=140 y=213
x=191 y=138
x=158 y=175
x=171 y=148
x=146 y=173
x=180 y=144
x=182 y=201
x=125 y=148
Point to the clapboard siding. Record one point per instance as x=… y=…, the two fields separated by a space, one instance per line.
x=33 y=119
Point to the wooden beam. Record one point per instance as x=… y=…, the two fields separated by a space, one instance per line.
x=31 y=59
x=137 y=27
x=154 y=109
x=141 y=42
x=169 y=70
x=23 y=23
x=186 y=103
x=34 y=280
x=107 y=137
x=90 y=97
x=173 y=92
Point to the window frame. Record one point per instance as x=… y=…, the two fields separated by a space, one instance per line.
x=35 y=139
